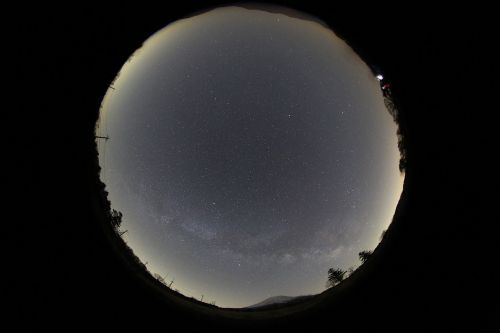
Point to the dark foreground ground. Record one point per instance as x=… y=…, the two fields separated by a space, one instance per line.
x=436 y=268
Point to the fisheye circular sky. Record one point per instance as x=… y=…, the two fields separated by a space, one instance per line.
x=249 y=151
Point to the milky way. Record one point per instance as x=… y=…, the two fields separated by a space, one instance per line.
x=249 y=152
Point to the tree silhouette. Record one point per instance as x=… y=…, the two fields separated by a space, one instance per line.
x=116 y=218
x=159 y=277
x=335 y=276
x=364 y=255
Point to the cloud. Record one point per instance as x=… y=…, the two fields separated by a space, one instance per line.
x=256 y=260
x=323 y=255
x=166 y=220
x=262 y=240
x=287 y=259
x=199 y=230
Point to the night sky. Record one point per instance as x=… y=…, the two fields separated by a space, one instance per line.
x=249 y=152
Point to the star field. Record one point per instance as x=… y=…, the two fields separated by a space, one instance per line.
x=249 y=152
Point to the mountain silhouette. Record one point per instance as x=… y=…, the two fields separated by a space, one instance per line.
x=275 y=300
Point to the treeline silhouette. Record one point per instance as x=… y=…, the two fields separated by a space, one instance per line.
x=390 y=104
x=112 y=217
x=337 y=275
x=113 y=221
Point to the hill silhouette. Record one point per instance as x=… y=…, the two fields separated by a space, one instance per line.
x=278 y=300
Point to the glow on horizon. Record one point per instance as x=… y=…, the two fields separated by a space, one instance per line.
x=125 y=195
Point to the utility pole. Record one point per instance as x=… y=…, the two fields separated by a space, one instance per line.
x=171 y=282
x=201 y=298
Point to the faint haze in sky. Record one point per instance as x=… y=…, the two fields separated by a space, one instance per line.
x=249 y=151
